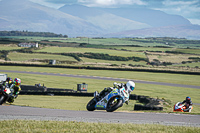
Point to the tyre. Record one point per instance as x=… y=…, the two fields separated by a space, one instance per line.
x=114 y=104
x=91 y=105
x=2 y=99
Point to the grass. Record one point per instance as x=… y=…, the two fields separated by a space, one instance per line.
x=65 y=102
x=114 y=49
x=146 y=76
x=196 y=64
x=28 y=57
x=188 y=51
x=21 y=126
x=173 y=58
x=99 y=62
x=142 y=48
x=174 y=94
x=92 y=50
x=10 y=47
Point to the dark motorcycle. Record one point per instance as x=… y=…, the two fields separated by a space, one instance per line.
x=5 y=95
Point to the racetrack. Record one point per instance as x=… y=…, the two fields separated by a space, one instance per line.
x=10 y=112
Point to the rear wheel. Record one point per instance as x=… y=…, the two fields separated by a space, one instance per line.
x=91 y=105
x=114 y=104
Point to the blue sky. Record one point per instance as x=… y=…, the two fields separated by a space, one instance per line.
x=189 y=9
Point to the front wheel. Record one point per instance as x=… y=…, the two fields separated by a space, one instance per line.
x=2 y=99
x=91 y=105
x=114 y=104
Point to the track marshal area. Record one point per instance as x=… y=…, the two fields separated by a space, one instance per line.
x=10 y=112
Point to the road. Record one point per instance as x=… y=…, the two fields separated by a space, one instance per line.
x=31 y=113
x=104 y=78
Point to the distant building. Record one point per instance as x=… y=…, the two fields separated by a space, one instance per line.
x=29 y=45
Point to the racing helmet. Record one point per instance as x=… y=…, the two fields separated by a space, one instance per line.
x=8 y=79
x=17 y=81
x=188 y=98
x=130 y=85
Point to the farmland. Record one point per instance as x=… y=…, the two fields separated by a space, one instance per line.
x=124 y=53
x=169 y=54
x=133 y=53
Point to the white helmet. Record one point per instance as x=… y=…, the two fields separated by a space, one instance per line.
x=130 y=86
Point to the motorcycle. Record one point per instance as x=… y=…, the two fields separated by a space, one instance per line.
x=109 y=102
x=5 y=95
x=179 y=107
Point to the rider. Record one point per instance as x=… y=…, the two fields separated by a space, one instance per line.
x=188 y=103
x=129 y=87
x=8 y=82
x=16 y=87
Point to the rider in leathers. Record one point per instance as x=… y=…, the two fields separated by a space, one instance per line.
x=129 y=87
x=7 y=83
x=188 y=104
x=15 y=87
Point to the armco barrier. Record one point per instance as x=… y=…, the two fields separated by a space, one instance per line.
x=29 y=88
x=149 y=103
x=145 y=107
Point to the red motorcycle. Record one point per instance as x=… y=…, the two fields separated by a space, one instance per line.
x=179 y=107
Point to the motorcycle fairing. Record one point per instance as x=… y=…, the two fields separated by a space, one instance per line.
x=102 y=104
x=178 y=106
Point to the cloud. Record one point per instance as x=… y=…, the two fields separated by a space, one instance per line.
x=186 y=8
x=195 y=21
x=179 y=3
x=111 y=3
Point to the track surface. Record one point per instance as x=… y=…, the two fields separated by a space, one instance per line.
x=31 y=113
x=104 y=78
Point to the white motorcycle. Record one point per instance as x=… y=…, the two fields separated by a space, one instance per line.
x=109 y=102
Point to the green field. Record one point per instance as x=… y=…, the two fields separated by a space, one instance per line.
x=22 y=126
x=174 y=94
x=124 y=47
x=31 y=57
x=149 y=53
x=6 y=47
x=92 y=50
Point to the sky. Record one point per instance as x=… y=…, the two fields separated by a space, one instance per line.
x=190 y=9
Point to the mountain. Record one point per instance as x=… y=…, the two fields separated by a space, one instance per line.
x=182 y=31
x=78 y=20
x=26 y=15
x=135 y=22
x=154 y=18
x=105 y=20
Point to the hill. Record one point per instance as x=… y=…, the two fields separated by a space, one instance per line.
x=107 y=21
x=178 y=31
x=26 y=15
x=78 y=20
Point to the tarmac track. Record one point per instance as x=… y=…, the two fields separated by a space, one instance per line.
x=104 y=78
x=10 y=112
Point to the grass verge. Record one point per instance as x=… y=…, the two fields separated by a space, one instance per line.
x=173 y=94
x=21 y=126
